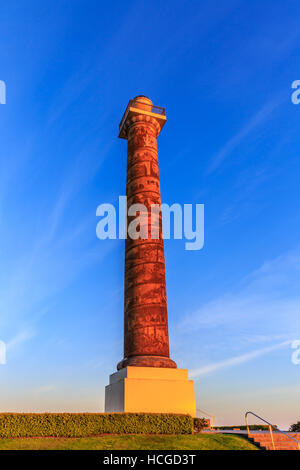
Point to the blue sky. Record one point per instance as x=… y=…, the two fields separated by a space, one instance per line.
x=224 y=73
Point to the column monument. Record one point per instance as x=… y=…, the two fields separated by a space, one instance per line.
x=147 y=379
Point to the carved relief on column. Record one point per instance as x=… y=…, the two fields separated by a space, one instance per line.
x=146 y=340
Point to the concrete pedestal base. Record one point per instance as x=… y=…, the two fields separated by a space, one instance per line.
x=150 y=390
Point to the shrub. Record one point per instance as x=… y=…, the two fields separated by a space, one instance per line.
x=295 y=427
x=88 y=424
x=199 y=424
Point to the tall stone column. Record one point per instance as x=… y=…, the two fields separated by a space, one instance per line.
x=146 y=340
x=147 y=379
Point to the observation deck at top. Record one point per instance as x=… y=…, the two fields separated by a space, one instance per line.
x=141 y=105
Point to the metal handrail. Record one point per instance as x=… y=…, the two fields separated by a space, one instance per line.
x=270 y=428
x=124 y=116
x=152 y=109
x=213 y=418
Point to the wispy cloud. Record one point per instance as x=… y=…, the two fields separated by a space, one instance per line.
x=254 y=122
x=260 y=311
x=237 y=360
x=43 y=389
x=270 y=293
x=20 y=338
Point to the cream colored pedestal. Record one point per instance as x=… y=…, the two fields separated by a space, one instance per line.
x=150 y=390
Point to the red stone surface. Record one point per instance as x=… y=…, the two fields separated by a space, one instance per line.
x=146 y=341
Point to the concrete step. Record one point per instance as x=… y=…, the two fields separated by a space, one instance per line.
x=281 y=441
x=281 y=447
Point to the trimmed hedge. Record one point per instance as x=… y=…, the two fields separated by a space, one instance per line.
x=252 y=427
x=89 y=424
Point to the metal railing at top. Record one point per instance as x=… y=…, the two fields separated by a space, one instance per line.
x=271 y=427
x=147 y=107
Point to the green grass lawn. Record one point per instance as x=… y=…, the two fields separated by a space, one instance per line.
x=131 y=442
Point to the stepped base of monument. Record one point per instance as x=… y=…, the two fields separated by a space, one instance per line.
x=150 y=390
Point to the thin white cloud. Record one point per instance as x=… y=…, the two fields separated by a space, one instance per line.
x=20 y=338
x=266 y=302
x=255 y=121
x=260 y=311
x=43 y=389
x=237 y=360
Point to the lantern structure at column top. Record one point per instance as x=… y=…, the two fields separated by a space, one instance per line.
x=141 y=105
